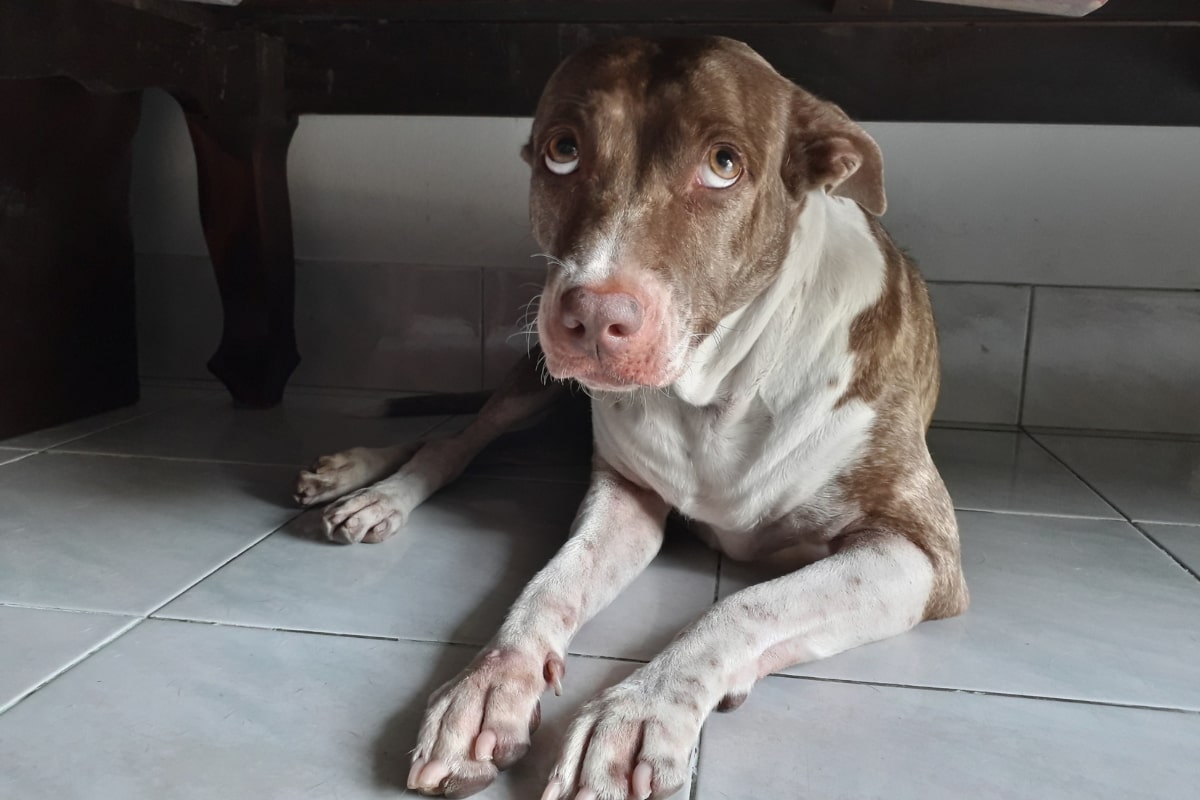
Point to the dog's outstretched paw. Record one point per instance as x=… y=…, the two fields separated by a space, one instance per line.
x=481 y=722
x=334 y=476
x=628 y=743
x=369 y=515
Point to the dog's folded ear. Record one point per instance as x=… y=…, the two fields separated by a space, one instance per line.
x=826 y=148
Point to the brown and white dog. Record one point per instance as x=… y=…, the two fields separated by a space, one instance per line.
x=760 y=357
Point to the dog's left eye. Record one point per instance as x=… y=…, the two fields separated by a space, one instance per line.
x=562 y=154
x=722 y=169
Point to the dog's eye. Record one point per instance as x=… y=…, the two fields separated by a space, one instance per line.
x=723 y=168
x=562 y=154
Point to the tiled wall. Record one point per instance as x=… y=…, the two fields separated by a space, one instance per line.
x=1063 y=260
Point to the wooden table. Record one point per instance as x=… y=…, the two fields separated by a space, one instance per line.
x=244 y=74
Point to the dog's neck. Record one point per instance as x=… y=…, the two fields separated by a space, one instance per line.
x=800 y=323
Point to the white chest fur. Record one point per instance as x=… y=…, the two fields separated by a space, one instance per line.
x=753 y=431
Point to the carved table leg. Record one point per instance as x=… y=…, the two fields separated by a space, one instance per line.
x=248 y=226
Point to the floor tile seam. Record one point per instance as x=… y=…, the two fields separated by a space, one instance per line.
x=73 y=663
x=223 y=564
x=1161 y=547
x=1116 y=517
x=117 y=424
x=1113 y=434
x=994 y=693
x=18 y=458
x=178 y=459
x=374 y=637
x=1126 y=517
x=1063 y=462
x=70 y=610
x=1026 y=354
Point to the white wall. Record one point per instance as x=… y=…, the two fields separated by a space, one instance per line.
x=414 y=254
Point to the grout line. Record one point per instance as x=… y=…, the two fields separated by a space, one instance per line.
x=224 y=564
x=69 y=439
x=21 y=456
x=990 y=693
x=1159 y=545
x=1112 y=433
x=1128 y=519
x=1070 y=286
x=1025 y=358
x=375 y=637
x=133 y=623
x=139 y=620
x=1073 y=471
x=1117 y=517
x=181 y=459
x=43 y=607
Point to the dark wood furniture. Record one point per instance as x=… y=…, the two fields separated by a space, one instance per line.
x=243 y=75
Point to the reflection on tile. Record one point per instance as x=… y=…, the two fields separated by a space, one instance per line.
x=981 y=334
x=239 y=714
x=303 y=428
x=1119 y=360
x=125 y=534
x=796 y=738
x=1182 y=541
x=1151 y=481
x=388 y=326
x=450 y=575
x=1000 y=471
x=506 y=310
x=1072 y=608
x=37 y=643
x=178 y=314
x=555 y=448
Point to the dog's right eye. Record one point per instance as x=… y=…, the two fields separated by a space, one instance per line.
x=723 y=169
x=562 y=154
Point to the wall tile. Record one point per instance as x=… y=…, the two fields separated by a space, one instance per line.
x=1045 y=204
x=422 y=190
x=1114 y=359
x=981 y=330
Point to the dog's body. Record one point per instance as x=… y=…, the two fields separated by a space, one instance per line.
x=762 y=359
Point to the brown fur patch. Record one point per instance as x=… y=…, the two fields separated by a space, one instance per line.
x=896 y=487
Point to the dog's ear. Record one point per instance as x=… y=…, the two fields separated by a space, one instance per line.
x=826 y=148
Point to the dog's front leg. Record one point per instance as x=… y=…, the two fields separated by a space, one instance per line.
x=635 y=739
x=480 y=722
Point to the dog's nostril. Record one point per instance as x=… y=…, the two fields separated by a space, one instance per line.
x=617 y=331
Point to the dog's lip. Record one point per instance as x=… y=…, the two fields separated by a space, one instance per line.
x=601 y=380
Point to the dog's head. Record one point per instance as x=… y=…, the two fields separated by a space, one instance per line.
x=667 y=179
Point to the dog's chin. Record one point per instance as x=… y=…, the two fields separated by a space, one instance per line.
x=595 y=378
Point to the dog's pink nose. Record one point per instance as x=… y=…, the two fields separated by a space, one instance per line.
x=600 y=322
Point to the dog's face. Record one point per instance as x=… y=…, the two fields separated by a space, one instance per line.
x=667 y=179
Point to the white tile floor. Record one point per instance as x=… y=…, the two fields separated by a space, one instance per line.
x=170 y=629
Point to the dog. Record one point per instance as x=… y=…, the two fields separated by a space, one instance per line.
x=761 y=359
